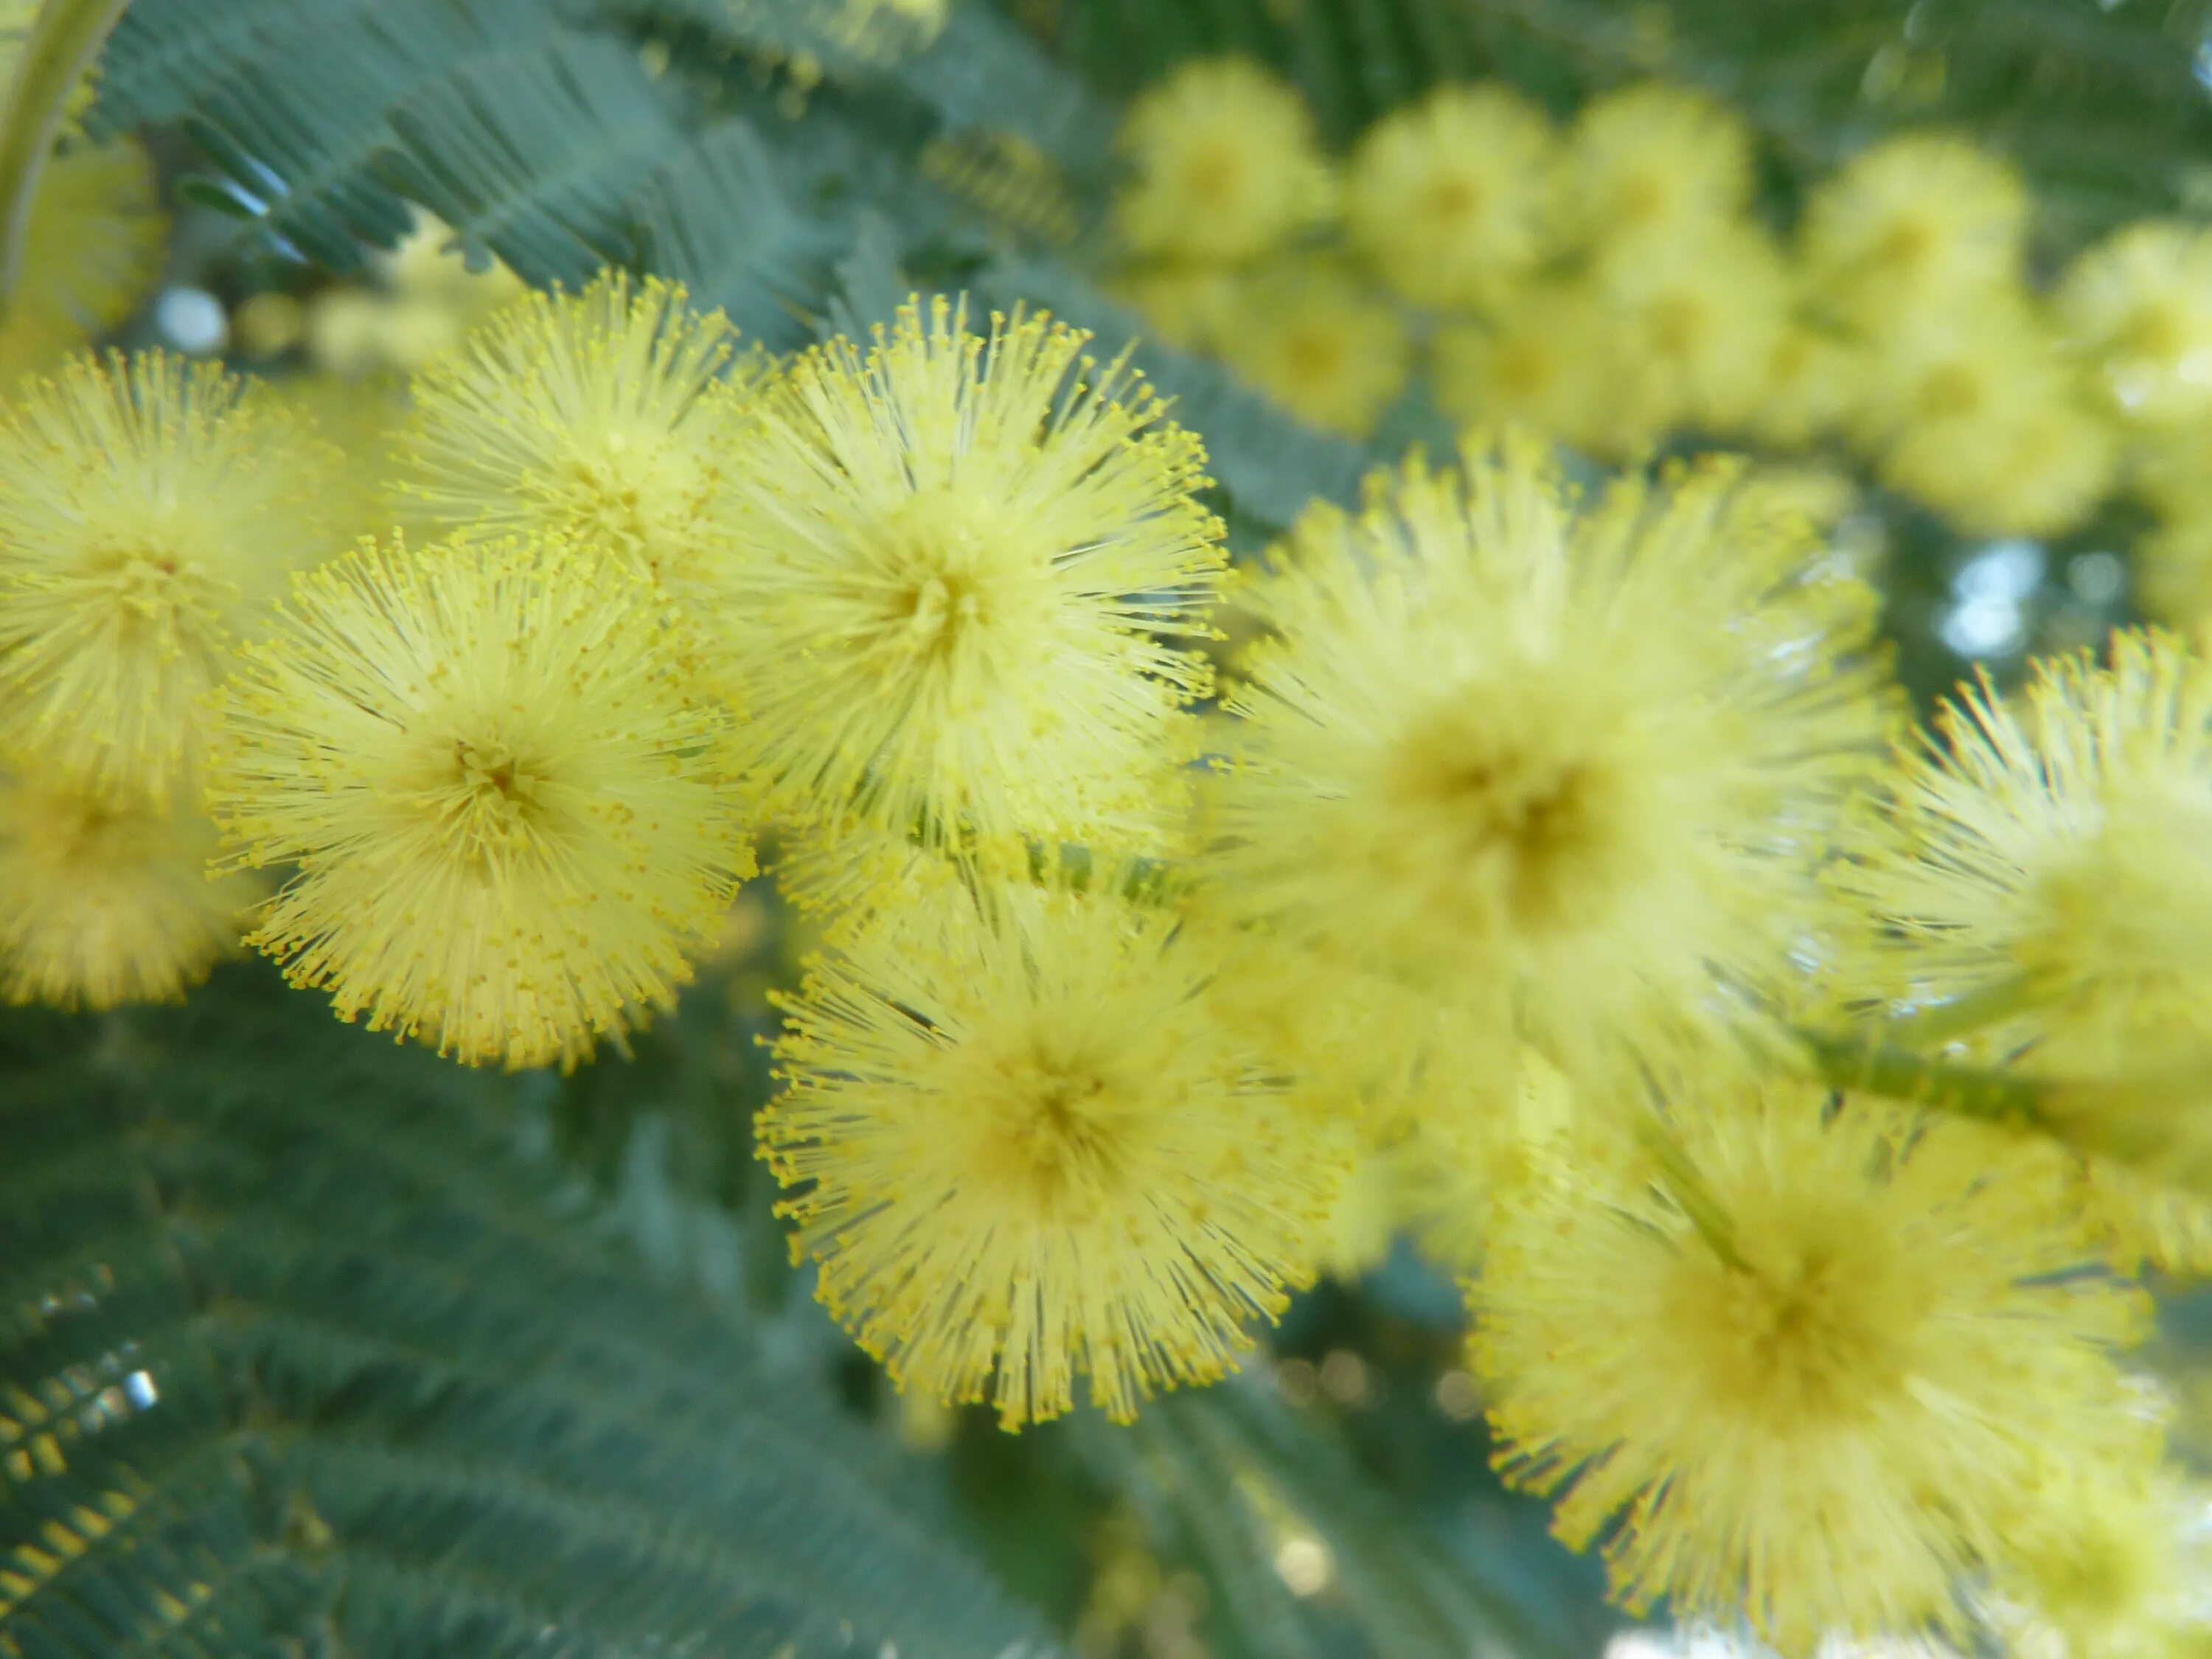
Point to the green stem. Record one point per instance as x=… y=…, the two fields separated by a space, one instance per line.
x=1871 y=1062
x=1942 y=1021
x=1689 y=1190
x=65 y=37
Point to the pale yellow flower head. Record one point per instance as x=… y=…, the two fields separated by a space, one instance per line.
x=1800 y=1368
x=1446 y=198
x=610 y=418
x=1469 y=758
x=1224 y=165
x=1976 y=414
x=1648 y=163
x=2139 y=307
x=1687 y=329
x=502 y=785
x=152 y=509
x=2049 y=861
x=1319 y=342
x=1029 y=1155
x=2104 y=1564
x=1918 y=223
x=105 y=900
x=962 y=563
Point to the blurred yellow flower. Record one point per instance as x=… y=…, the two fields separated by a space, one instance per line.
x=91 y=254
x=1649 y=163
x=1916 y=224
x=2104 y=1564
x=2138 y=307
x=1320 y=343
x=1532 y=365
x=1446 y=198
x=105 y=900
x=1977 y=414
x=1224 y=165
x=1465 y=759
x=2047 y=866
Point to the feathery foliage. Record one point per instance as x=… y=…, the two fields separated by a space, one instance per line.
x=315 y=1353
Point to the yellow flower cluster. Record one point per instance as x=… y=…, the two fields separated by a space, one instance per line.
x=1532 y=832
x=1548 y=880
x=1611 y=286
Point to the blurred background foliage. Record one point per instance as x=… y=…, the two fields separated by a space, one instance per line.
x=365 y=1354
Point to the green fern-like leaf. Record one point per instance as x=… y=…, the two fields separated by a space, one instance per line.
x=305 y=1355
x=537 y=154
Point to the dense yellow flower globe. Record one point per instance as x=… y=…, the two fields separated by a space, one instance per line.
x=1226 y=165
x=969 y=563
x=1469 y=757
x=1685 y=335
x=1649 y=163
x=609 y=417
x=1800 y=1370
x=1028 y=1154
x=2104 y=1564
x=1975 y=413
x=152 y=508
x=504 y=787
x=2139 y=307
x=1917 y=224
x=2046 y=865
x=1446 y=198
x=105 y=900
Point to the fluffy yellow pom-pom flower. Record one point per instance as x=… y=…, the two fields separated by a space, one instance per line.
x=105 y=902
x=1649 y=163
x=1469 y=759
x=1225 y=164
x=1032 y=1154
x=495 y=770
x=1446 y=198
x=960 y=555
x=152 y=508
x=2140 y=306
x=606 y=417
x=1802 y=1368
x=1916 y=224
x=2048 y=868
